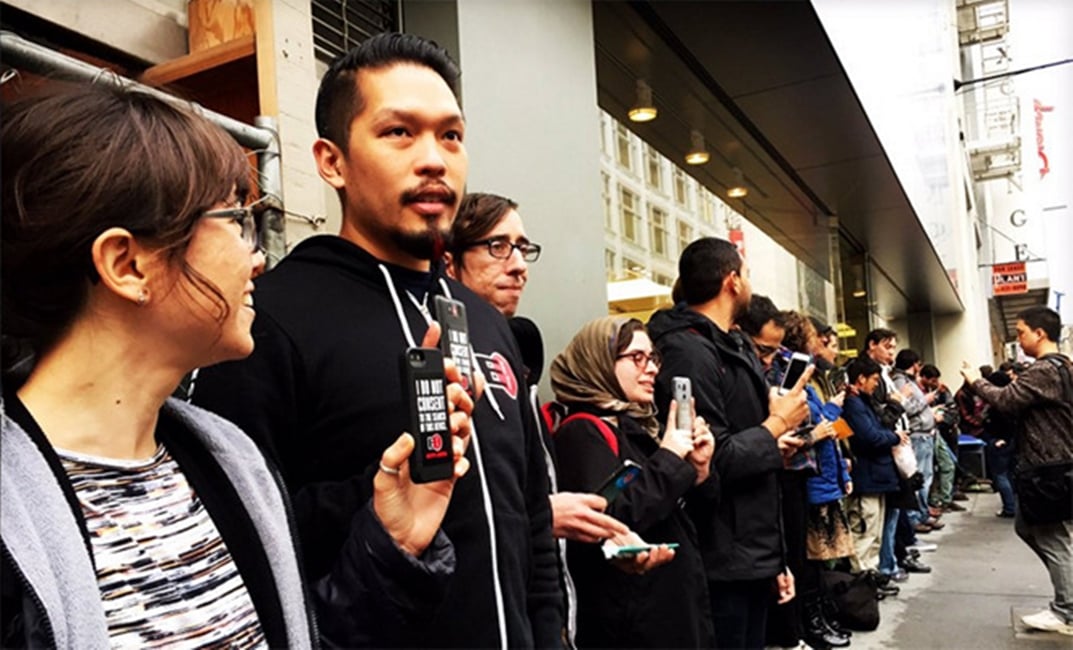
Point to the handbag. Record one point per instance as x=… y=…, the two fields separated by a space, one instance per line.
x=904 y=459
x=1045 y=493
x=854 y=597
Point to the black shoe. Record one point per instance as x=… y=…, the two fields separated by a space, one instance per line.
x=887 y=590
x=914 y=565
x=1004 y=514
x=817 y=633
x=830 y=616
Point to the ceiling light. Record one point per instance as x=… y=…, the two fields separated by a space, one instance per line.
x=644 y=110
x=698 y=153
x=738 y=189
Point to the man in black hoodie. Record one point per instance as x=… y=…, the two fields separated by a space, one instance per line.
x=741 y=533
x=322 y=392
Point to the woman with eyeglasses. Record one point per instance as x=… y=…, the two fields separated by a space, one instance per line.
x=130 y=519
x=608 y=371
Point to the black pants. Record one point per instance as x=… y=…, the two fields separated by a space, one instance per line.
x=739 y=612
x=785 y=623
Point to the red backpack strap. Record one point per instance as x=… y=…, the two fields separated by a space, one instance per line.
x=603 y=426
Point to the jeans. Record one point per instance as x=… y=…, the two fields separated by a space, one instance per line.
x=942 y=484
x=998 y=463
x=739 y=612
x=887 y=562
x=1053 y=544
x=924 y=450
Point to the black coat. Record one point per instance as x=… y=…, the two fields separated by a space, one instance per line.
x=664 y=608
x=322 y=392
x=741 y=533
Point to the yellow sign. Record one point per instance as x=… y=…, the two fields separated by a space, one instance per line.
x=844 y=330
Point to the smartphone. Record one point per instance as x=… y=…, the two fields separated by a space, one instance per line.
x=798 y=362
x=683 y=397
x=454 y=337
x=632 y=551
x=617 y=482
x=805 y=433
x=425 y=393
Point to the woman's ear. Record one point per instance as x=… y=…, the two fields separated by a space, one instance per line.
x=123 y=264
x=331 y=164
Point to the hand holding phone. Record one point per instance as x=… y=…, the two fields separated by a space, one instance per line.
x=682 y=394
x=634 y=551
x=454 y=338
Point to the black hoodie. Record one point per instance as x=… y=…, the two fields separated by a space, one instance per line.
x=322 y=394
x=741 y=531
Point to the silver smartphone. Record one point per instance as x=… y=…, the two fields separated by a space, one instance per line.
x=683 y=397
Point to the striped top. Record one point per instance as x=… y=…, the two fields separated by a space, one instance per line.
x=166 y=577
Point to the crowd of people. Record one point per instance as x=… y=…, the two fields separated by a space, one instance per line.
x=280 y=508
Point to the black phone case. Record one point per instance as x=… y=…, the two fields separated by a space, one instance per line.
x=426 y=400
x=454 y=337
x=617 y=482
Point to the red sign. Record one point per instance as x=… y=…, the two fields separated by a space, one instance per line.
x=737 y=237
x=1008 y=279
x=1040 y=109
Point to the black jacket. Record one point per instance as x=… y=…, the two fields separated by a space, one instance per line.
x=741 y=531
x=322 y=393
x=667 y=607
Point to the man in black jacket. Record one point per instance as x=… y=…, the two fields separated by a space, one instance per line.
x=741 y=533
x=322 y=392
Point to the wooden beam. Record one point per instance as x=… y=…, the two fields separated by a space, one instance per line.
x=190 y=64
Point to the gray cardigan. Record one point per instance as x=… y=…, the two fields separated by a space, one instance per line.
x=44 y=540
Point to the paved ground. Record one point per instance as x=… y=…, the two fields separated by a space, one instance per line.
x=983 y=575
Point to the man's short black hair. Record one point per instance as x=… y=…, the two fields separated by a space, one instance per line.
x=929 y=371
x=822 y=329
x=1043 y=318
x=338 y=100
x=862 y=366
x=906 y=359
x=703 y=266
x=760 y=311
x=1005 y=366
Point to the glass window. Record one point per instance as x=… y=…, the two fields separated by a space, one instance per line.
x=653 y=171
x=609 y=262
x=609 y=221
x=707 y=208
x=658 y=220
x=685 y=235
x=680 y=187
x=624 y=149
x=631 y=219
x=665 y=280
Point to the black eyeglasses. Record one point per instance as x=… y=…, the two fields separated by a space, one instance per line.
x=641 y=358
x=501 y=248
x=246 y=217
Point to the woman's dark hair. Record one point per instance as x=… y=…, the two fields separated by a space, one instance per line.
x=624 y=336
x=798 y=331
x=478 y=214
x=338 y=98
x=79 y=159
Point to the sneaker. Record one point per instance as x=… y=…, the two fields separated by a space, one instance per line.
x=913 y=565
x=922 y=529
x=923 y=547
x=1048 y=621
x=954 y=507
x=935 y=524
x=1004 y=514
x=901 y=575
x=960 y=496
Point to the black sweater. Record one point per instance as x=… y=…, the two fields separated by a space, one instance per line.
x=667 y=607
x=322 y=394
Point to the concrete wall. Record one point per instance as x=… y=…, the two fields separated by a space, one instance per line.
x=533 y=134
x=151 y=30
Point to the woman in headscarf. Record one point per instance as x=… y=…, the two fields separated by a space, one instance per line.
x=608 y=371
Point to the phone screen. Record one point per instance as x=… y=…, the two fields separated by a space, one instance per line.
x=794 y=371
x=617 y=482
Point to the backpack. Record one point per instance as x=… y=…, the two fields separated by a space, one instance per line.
x=555 y=415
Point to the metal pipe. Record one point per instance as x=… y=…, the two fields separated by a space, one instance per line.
x=270 y=171
x=21 y=53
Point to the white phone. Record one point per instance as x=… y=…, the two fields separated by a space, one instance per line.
x=798 y=362
x=683 y=397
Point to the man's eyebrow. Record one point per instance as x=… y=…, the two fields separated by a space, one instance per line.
x=386 y=114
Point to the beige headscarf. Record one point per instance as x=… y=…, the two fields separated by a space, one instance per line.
x=584 y=373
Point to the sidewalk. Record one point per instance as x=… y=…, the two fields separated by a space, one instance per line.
x=981 y=576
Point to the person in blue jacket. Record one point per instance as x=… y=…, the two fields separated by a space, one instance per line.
x=874 y=474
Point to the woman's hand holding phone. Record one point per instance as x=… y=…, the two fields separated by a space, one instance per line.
x=703 y=448
x=645 y=560
x=677 y=441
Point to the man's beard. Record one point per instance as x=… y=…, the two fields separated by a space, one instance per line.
x=741 y=307
x=425 y=245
